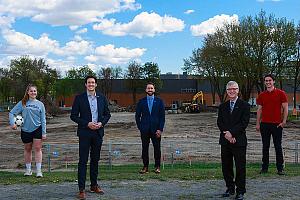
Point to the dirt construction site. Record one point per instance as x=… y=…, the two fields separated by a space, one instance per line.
x=186 y=138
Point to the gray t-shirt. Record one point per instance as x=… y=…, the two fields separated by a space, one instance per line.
x=33 y=114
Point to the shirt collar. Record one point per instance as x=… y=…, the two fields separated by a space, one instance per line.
x=89 y=95
x=150 y=97
x=271 y=90
x=234 y=100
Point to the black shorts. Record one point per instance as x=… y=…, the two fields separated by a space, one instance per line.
x=28 y=137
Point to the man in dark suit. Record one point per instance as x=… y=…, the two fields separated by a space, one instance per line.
x=233 y=119
x=90 y=111
x=150 y=120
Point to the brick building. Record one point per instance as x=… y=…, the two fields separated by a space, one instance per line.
x=176 y=89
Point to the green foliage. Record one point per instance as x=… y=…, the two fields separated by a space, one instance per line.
x=25 y=70
x=80 y=73
x=116 y=72
x=245 y=52
x=151 y=73
x=133 y=76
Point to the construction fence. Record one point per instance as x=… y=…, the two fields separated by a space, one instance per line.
x=65 y=156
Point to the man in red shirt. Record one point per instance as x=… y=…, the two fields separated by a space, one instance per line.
x=272 y=113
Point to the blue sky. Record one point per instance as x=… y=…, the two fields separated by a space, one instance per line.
x=103 y=33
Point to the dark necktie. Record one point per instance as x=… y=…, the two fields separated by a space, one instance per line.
x=231 y=106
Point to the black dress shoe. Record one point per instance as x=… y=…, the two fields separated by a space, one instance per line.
x=228 y=193
x=239 y=196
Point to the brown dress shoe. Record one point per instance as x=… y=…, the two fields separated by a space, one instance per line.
x=157 y=170
x=97 y=189
x=81 y=195
x=144 y=170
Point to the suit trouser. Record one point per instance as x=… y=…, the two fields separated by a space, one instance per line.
x=145 y=148
x=268 y=129
x=238 y=153
x=89 y=143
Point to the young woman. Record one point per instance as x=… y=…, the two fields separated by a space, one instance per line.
x=33 y=131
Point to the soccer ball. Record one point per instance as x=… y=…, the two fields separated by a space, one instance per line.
x=19 y=120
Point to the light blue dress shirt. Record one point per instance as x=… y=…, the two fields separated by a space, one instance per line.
x=150 y=100
x=93 y=106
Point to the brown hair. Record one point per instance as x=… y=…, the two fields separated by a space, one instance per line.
x=26 y=96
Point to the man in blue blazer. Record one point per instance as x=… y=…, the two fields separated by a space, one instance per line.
x=90 y=111
x=150 y=120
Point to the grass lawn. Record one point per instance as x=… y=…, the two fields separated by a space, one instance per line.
x=198 y=171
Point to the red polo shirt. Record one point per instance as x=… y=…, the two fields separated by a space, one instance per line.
x=271 y=103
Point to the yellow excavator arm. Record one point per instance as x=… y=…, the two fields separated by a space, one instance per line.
x=196 y=96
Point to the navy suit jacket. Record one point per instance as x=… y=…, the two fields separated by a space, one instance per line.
x=81 y=113
x=235 y=122
x=150 y=123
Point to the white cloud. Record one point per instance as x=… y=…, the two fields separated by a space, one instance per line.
x=61 y=65
x=19 y=43
x=110 y=54
x=5 y=61
x=67 y=56
x=91 y=58
x=81 y=31
x=189 y=11
x=73 y=28
x=210 y=26
x=144 y=24
x=6 y=22
x=75 y=48
x=65 y=12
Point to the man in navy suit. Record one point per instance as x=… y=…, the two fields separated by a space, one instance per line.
x=150 y=120
x=233 y=119
x=90 y=111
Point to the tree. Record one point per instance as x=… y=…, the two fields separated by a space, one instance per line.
x=245 y=52
x=64 y=88
x=105 y=82
x=294 y=67
x=209 y=62
x=151 y=73
x=116 y=72
x=25 y=70
x=5 y=85
x=284 y=46
x=80 y=73
x=133 y=77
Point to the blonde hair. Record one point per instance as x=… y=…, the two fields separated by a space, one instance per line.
x=26 y=95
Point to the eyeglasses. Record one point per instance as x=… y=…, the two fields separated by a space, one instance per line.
x=228 y=89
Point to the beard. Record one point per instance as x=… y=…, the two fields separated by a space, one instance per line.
x=150 y=93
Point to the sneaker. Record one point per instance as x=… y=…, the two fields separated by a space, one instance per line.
x=39 y=174
x=281 y=172
x=28 y=172
x=157 y=170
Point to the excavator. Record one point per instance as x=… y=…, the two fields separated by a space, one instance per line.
x=195 y=105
